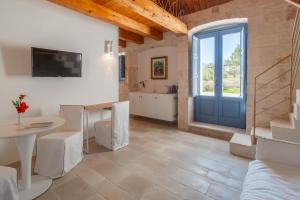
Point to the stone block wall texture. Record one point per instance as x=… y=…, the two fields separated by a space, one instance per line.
x=131 y=74
x=270 y=24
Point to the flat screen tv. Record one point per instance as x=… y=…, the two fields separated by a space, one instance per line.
x=53 y=63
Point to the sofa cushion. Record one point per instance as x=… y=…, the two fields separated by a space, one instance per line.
x=271 y=181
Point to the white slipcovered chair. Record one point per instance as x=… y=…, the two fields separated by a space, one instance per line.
x=59 y=152
x=8 y=184
x=114 y=134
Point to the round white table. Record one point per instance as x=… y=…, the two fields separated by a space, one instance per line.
x=30 y=186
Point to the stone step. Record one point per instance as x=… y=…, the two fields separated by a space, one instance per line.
x=240 y=145
x=262 y=132
x=280 y=133
x=282 y=129
x=295 y=123
x=286 y=134
x=298 y=97
x=213 y=130
x=285 y=130
x=282 y=123
x=296 y=111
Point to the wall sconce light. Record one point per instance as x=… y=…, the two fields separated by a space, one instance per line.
x=108 y=48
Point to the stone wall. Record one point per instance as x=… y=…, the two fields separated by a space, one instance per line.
x=270 y=24
x=139 y=70
x=131 y=69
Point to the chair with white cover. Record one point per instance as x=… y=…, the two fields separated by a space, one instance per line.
x=8 y=183
x=114 y=134
x=59 y=152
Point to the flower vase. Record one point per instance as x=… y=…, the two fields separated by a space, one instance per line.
x=19 y=119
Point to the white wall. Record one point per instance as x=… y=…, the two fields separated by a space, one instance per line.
x=144 y=68
x=37 y=23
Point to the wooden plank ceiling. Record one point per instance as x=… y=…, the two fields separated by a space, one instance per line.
x=137 y=19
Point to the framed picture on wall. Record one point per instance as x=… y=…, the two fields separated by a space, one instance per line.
x=159 y=67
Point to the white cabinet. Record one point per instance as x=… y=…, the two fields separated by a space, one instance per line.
x=135 y=104
x=153 y=105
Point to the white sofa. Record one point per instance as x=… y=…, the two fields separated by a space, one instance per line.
x=275 y=174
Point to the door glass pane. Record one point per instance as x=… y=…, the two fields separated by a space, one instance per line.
x=231 y=65
x=195 y=66
x=207 y=66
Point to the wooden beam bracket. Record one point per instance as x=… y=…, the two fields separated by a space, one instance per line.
x=122 y=43
x=130 y=36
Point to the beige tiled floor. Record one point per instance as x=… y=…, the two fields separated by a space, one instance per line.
x=161 y=163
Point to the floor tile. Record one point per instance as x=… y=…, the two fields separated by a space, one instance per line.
x=238 y=173
x=111 y=192
x=87 y=174
x=74 y=189
x=160 y=163
x=222 y=192
x=49 y=195
x=195 y=181
x=136 y=185
x=159 y=194
x=236 y=184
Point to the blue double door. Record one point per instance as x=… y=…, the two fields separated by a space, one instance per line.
x=219 y=76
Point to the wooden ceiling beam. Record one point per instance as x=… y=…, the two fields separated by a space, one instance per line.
x=295 y=2
x=92 y=9
x=122 y=43
x=151 y=11
x=130 y=36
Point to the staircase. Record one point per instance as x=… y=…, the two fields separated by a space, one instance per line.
x=288 y=130
x=274 y=86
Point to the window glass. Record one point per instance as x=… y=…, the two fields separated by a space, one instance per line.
x=207 y=66
x=231 y=65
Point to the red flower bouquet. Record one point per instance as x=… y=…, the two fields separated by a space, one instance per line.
x=20 y=106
